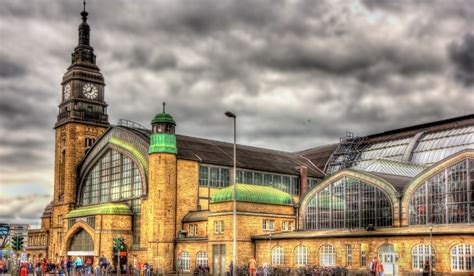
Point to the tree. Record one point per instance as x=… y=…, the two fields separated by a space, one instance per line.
x=4 y=235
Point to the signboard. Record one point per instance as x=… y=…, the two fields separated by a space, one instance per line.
x=80 y=253
x=123 y=253
x=23 y=257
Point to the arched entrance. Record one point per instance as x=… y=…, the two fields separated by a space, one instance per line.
x=82 y=245
x=389 y=259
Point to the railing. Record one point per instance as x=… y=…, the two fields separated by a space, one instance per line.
x=130 y=124
x=83 y=115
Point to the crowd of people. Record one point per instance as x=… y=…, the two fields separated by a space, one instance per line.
x=76 y=267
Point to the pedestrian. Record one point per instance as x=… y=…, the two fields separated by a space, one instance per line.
x=139 y=268
x=39 y=270
x=373 y=267
x=426 y=268
x=2 y=265
x=78 y=265
x=265 y=268
x=252 y=266
x=231 y=268
x=380 y=269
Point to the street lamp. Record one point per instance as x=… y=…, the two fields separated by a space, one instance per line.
x=431 y=246
x=234 y=246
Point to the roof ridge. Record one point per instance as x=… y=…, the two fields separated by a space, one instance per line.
x=238 y=145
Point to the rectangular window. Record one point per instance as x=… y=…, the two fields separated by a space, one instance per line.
x=219 y=227
x=363 y=259
x=348 y=254
x=268 y=225
x=193 y=230
x=212 y=176
x=284 y=225
x=218 y=177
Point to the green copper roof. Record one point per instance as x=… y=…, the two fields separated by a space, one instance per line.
x=253 y=193
x=163 y=143
x=163 y=118
x=101 y=209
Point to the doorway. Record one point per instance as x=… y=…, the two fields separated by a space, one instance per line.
x=218 y=259
x=389 y=259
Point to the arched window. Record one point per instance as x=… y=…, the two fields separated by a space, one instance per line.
x=301 y=255
x=115 y=177
x=201 y=259
x=348 y=203
x=327 y=255
x=184 y=261
x=445 y=198
x=278 y=255
x=421 y=254
x=82 y=241
x=462 y=257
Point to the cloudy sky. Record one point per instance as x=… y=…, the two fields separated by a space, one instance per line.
x=297 y=73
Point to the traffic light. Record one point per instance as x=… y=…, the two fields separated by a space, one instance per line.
x=119 y=244
x=17 y=242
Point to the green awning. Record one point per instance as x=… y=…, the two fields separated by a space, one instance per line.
x=101 y=209
x=253 y=193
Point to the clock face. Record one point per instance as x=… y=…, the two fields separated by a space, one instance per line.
x=90 y=91
x=67 y=91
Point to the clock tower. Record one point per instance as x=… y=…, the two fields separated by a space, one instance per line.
x=82 y=118
x=82 y=99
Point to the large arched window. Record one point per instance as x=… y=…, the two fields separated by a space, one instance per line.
x=327 y=255
x=421 y=254
x=348 y=203
x=301 y=255
x=445 y=198
x=82 y=241
x=462 y=257
x=201 y=259
x=278 y=255
x=184 y=261
x=115 y=177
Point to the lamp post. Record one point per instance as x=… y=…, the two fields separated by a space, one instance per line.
x=234 y=174
x=431 y=246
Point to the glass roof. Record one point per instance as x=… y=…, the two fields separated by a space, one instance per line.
x=430 y=148
x=436 y=146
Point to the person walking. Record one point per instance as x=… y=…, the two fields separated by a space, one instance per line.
x=231 y=268
x=379 y=269
x=252 y=266
x=78 y=265
x=373 y=267
x=265 y=268
x=426 y=268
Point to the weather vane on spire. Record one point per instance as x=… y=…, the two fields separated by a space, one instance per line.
x=84 y=3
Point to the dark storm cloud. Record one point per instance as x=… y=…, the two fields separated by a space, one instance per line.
x=297 y=73
x=462 y=55
x=10 y=69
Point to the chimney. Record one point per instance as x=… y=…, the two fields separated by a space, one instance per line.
x=303 y=180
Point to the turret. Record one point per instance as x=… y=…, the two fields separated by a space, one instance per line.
x=162 y=187
x=163 y=139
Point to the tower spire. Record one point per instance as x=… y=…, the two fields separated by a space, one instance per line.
x=84 y=29
x=164 y=104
